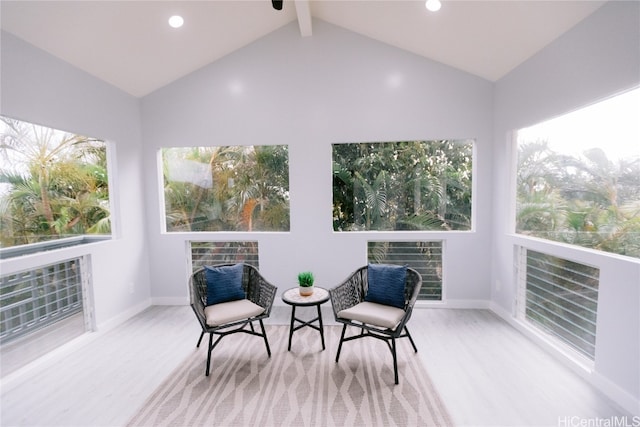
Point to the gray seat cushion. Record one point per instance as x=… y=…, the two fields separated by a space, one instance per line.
x=373 y=313
x=227 y=312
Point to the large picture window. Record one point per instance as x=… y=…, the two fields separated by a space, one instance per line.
x=53 y=185
x=231 y=188
x=404 y=185
x=578 y=178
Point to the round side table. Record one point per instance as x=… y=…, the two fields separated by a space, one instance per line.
x=294 y=299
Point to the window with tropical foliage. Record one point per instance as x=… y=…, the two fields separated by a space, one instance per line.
x=424 y=257
x=559 y=297
x=402 y=185
x=53 y=184
x=578 y=177
x=230 y=188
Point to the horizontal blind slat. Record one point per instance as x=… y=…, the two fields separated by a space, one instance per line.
x=423 y=256
x=561 y=297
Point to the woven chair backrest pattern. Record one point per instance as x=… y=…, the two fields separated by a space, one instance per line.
x=354 y=293
x=252 y=282
x=412 y=285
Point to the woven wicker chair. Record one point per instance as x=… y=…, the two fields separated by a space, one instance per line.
x=374 y=320
x=215 y=320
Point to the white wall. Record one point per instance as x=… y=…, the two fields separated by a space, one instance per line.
x=39 y=88
x=600 y=57
x=337 y=86
x=308 y=93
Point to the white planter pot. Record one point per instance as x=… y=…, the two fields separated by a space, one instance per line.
x=305 y=291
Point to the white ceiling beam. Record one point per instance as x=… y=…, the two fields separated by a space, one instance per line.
x=303 y=11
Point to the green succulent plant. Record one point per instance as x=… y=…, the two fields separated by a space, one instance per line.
x=305 y=279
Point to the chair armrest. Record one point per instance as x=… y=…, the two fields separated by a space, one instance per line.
x=412 y=287
x=350 y=292
x=413 y=284
x=198 y=294
x=259 y=290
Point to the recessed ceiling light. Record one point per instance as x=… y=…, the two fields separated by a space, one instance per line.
x=176 y=21
x=433 y=5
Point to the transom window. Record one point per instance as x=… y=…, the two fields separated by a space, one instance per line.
x=214 y=253
x=560 y=297
x=424 y=257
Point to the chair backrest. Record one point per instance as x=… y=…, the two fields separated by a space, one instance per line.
x=359 y=285
x=412 y=285
x=258 y=290
x=198 y=282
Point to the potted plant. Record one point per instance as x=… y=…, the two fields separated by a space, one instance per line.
x=305 y=282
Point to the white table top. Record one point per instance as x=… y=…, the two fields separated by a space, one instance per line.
x=292 y=296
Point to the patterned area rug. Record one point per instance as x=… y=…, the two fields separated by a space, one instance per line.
x=303 y=387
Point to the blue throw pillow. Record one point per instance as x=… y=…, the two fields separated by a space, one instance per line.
x=386 y=284
x=224 y=283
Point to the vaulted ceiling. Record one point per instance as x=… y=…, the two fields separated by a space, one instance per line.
x=130 y=45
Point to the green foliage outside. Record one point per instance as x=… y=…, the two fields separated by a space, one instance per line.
x=585 y=200
x=405 y=185
x=231 y=188
x=53 y=184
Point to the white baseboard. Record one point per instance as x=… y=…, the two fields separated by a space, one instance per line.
x=170 y=301
x=619 y=396
x=575 y=362
x=123 y=317
x=448 y=303
x=465 y=304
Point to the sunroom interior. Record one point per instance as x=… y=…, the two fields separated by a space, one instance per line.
x=309 y=92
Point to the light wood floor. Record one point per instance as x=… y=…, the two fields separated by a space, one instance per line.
x=487 y=373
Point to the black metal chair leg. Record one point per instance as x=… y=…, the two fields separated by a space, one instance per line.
x=411 y=339
x=321 y=326
x=293 y=316
x=211 y=347
x=395 y=360
x=344 y=329
x=264 y=335
x=201 y=335
x=209 y=354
